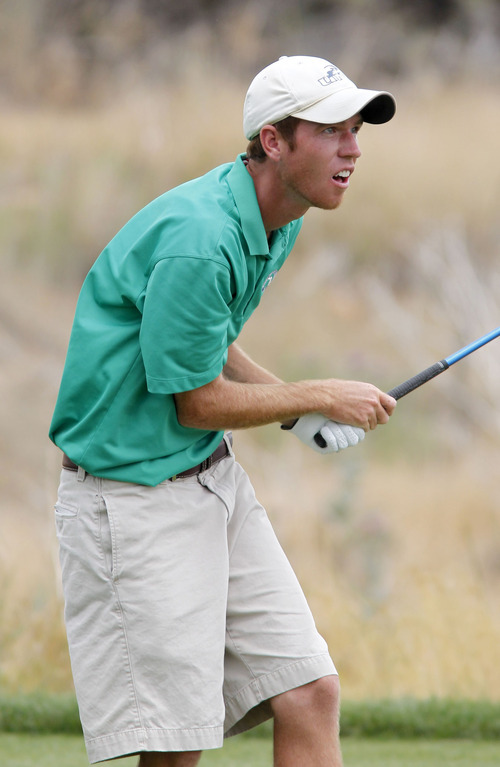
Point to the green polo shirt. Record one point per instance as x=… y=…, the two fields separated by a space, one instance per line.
x=156 y=315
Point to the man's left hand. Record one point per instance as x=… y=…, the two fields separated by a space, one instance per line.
x=337 y=436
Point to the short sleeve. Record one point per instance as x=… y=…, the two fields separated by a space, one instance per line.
x=185 y=322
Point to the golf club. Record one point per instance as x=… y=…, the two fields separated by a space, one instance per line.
x=431 y=372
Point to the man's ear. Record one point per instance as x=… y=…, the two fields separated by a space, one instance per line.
x=270 y=140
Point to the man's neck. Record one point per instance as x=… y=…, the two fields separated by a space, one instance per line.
x=276 y=210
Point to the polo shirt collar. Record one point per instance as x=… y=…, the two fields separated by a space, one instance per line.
x=243 y=189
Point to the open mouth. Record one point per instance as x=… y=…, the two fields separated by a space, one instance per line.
x=342 y=177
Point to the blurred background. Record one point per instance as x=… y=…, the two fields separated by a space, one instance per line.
x=105 y=104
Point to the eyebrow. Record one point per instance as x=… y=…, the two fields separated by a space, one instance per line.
x=357 y=124
x=343 y=123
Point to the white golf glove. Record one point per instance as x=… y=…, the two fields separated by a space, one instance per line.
x=337 y=436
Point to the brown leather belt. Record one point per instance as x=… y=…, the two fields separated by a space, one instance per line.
x=219 y=453
x=68 y=463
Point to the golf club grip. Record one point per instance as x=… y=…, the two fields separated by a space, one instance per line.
x=405 y=388
x=413 y=383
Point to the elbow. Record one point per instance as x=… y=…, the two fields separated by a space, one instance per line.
x=184 y=420
x=187 y=414
x=194 y=410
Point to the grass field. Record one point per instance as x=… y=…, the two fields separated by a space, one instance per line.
x=69 y=751
x=43 y=731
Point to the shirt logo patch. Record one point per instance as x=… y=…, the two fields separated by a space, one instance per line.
x=270 y=277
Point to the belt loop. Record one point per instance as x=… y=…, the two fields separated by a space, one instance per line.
x=228 y=439
x=206 y=464
x=81 y=474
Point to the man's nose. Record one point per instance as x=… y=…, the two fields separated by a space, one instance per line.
x=350 y=146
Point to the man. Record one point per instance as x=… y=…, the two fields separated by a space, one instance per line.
x=185 y=621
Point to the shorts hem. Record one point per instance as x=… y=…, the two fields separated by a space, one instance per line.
x=121 y=744
x=244 y=710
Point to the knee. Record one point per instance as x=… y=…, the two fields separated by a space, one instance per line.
x=320 y=698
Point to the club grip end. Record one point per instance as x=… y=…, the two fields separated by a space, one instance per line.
x=413 y=383
x=320 y=441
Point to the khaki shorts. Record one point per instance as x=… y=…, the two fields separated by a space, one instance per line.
x=183 y=614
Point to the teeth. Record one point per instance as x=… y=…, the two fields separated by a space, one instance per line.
x=344 y=173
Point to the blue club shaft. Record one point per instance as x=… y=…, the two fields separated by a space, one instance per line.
x=439 y=367
x=431 y=372
x=472 y=347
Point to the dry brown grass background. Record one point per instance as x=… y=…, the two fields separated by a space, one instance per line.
x=397 y=542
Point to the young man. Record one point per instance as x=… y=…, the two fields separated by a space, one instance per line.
x=185 y=621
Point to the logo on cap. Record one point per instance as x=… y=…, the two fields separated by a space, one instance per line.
x=333 y=75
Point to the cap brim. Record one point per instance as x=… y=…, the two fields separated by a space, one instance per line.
x=374 y=106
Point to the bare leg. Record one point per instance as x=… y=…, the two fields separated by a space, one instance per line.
x=306 y=725
x=169 y=759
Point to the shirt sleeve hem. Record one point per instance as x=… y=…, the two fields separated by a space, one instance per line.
x=182 y=383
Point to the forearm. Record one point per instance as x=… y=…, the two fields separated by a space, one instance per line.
x=246 y=395
x=242 y=369
x=227 y=404
x=224 y=404
x=250 y=403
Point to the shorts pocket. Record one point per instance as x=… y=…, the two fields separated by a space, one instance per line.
x=66 y=517
x=107 y=538
x=65 y=511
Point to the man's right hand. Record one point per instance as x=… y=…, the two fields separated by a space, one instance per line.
x=354 y=402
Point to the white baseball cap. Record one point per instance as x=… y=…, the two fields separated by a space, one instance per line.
x=311 y=89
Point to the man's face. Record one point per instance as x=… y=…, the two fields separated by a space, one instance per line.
x=316 y=172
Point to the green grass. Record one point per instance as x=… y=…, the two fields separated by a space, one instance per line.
x=44 y=731
x=420 y=753
x=69 y=751
x=39 y=713
x=437 y=719
x=432 y=719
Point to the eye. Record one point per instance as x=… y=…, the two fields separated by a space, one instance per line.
x=330 y=130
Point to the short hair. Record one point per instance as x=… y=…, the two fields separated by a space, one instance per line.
x=286 y=127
